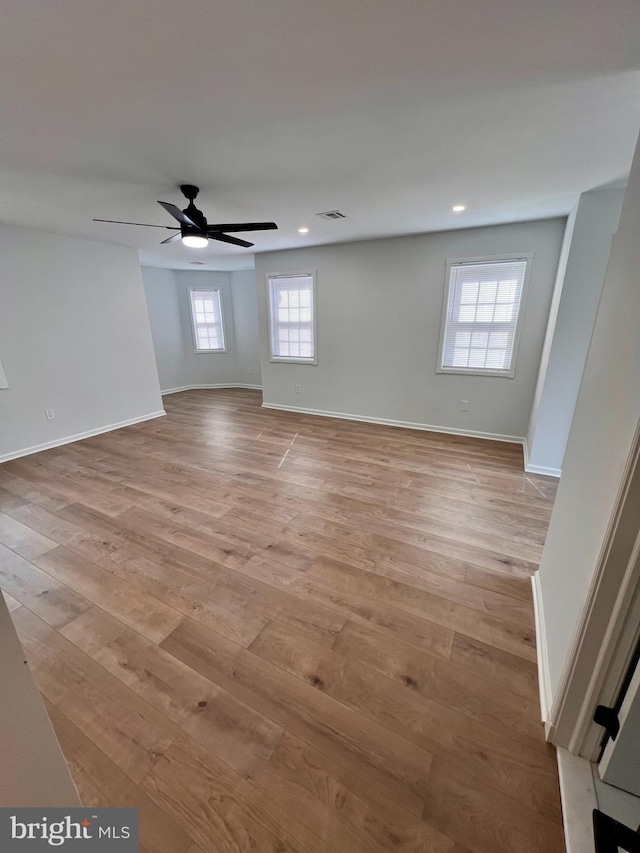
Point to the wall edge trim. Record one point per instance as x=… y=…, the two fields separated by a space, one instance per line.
x=537 y=469
x=544 y=675
x=540 y=469
x=68 y=439
x=511 y=439
x=217 y=385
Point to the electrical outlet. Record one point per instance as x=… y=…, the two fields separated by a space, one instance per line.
x=251 y=371
x=49 y=414
x=464 y=405
x=297 y=389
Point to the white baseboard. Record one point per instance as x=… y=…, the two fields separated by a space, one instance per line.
x=537 y=469
x=58 y=442
x=512 y=439
x=544 y=676
x=540 y=469
x=218 y=385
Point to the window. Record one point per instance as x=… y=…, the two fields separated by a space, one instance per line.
x=292 y=334
x=206 y=317
x=480 y=323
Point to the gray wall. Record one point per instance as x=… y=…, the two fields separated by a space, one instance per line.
x=606 y=416
x=74 y=337
x=179 y=366
x=245 y=319
x=595 y=222
x=551 y=325
x=379 y=312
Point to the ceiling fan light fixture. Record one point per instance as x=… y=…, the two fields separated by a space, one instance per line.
x=195 y=241
x=194 y=231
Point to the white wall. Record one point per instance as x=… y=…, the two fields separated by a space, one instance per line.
x=179 y=366
x=379 y=312
x=606 y=416
x=74 y=337
x=594 y=222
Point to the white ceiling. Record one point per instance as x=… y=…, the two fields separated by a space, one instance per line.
x=390 y=110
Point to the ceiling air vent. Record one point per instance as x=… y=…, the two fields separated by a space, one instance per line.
x=331 y=214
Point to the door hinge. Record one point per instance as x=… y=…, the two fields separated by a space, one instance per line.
x=608 y=719
x=610 y=836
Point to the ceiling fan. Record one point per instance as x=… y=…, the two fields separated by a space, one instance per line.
x=194 y=231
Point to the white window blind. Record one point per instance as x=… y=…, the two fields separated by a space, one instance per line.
x=206 y=314
x=481 y=321
x=291 y=318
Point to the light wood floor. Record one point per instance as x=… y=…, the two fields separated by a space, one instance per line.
x=273 y=632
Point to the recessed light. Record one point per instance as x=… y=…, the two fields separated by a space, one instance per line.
x=458 y=208
x=303 y=230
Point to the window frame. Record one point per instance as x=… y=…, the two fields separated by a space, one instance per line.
x=194 y=332
x=276 y=359
x=485 y=259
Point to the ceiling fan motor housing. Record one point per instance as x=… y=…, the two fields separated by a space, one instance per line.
x=189 y=191
x=197 y=217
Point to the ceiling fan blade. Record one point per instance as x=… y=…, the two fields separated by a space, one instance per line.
x=173 y=239
x=225 y=238
x=179 y=215
x=144 y=224
x=243 y=226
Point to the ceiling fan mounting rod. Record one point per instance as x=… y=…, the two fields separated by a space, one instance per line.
x=189 y=191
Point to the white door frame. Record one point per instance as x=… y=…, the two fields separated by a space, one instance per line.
x=609 y=628
x=618 y=765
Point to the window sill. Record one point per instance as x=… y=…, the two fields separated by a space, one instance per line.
x=311 y=361
x=460 y=371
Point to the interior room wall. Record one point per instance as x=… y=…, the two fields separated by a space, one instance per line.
x=34 y=772
x=245 y=319
x=179 y=366
x=594 y=222
x=551 y=326
x=379 y=306
x=74 y=337
x=606 y=416
x=162 y=303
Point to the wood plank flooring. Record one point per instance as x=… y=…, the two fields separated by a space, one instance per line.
x=274 y=632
